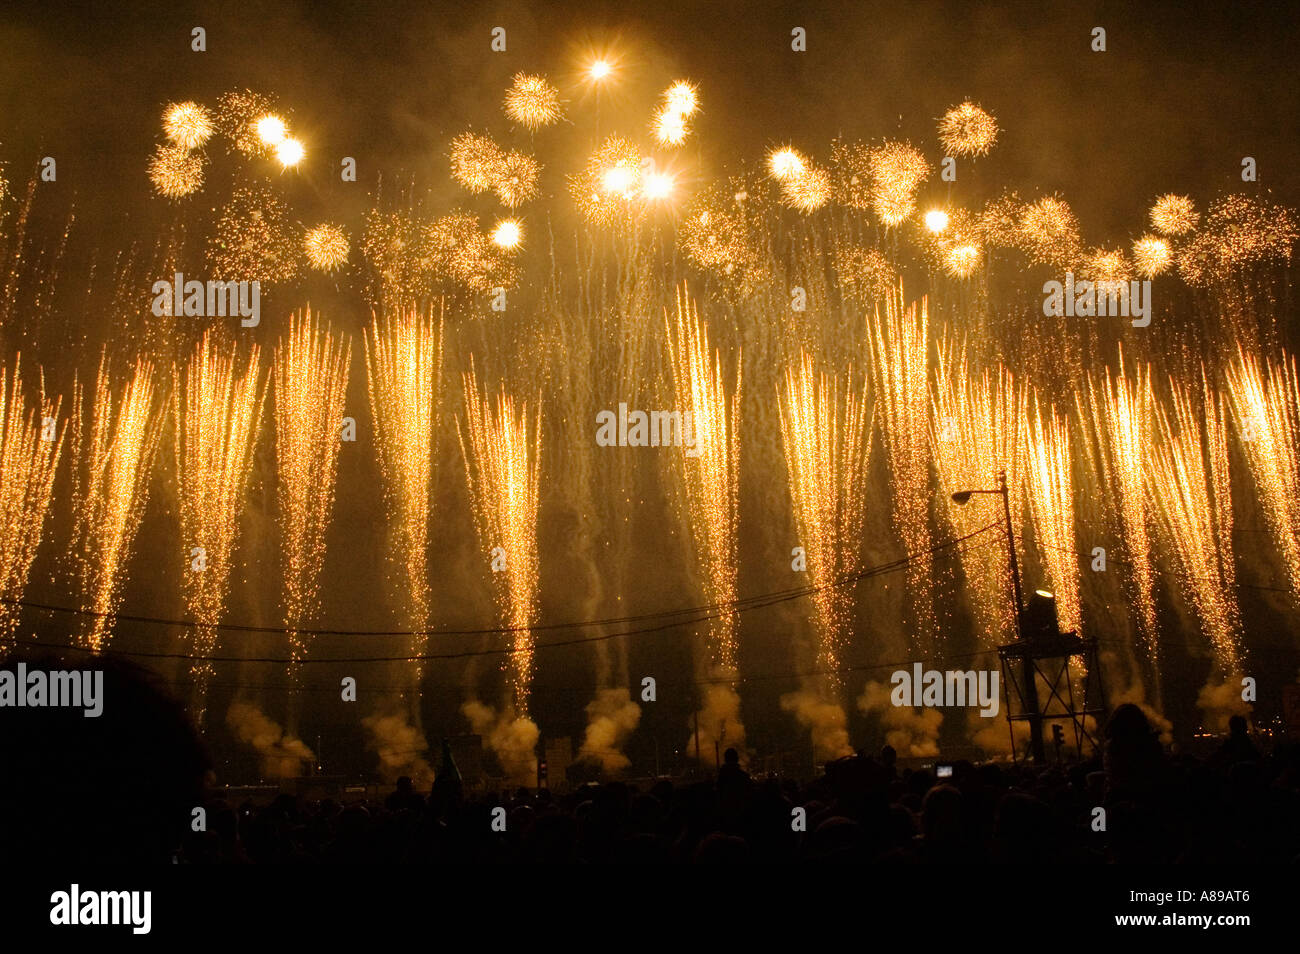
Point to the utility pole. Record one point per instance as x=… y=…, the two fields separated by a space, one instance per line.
x=1027 y=664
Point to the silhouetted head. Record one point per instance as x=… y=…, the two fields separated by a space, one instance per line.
x=1237 y=725
x=731 y=757
x=1128 y=722
x=119 y=787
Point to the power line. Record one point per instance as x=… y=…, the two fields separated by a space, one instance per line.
x=740 y=605
x=721 y=610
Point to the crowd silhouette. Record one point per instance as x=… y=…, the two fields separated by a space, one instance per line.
x=123 y=788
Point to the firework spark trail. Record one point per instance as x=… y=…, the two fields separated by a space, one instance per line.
x=27 y=466
x=311 y=380
x=1265 y=399
x=1050 y=483
x=217 y=405
x=111 y=470
x=826 y=428
x=404 y=365
x=710 y=473
x=1119 y=415
x=979 y=429
x=1190 y=494
x=899 y=344
x=503 y=468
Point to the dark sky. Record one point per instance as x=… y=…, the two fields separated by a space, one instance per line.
x=1183 y=92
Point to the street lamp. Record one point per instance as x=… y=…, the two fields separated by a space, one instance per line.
x=961 y=498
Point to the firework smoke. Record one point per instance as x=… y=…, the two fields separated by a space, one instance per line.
x=611 y=718
x=282 y=753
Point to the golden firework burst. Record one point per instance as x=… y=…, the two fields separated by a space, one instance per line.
x=176 y=172
x=967 y=130
x=1152 y=256
x=533 y=102
x=1174 y=215
x=326 y=247
x=188 y=125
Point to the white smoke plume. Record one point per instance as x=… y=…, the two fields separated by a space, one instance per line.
x=282 y=754
x=401 y=747
x=1136 y=694
x=513 y=739
x=720 y=726
x=827 y=720
x=912 y=733
x=1219 y=702
x=611 y=718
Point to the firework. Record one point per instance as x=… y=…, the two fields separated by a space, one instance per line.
x=1119 y=410
x=1265 y=399
x=254 y=239
x=716 y=235
x=508 y=234
x=456 y=247
x=681 y=98
x=116 y=443
x=289 y=152
x=404 y=367
x=807 y=191
x=977 y=430
x=1239 y=232
x=474 y=161
x=515 y=179
x=1152 y=256
x=865 y=273
x=326 y=247
x=533 y=102
x=670 y=128
x=899 y=346
x=311 y=379
x=237 y=118
x=29 y=456
x=1106 y=265
x=961 y=261
x=187 y=125
x=826 y=429
x=967 y=130
x=503 y=467
x=936 y=220
x=1174 y=215
x=1191 y=495
x=658 y=185
x=611 y=182
x=1051 y=506
x=271 y=130
x=786 y=164
x=217 y=404
x=1048 y=232
x=896 y=169
x=176 y=172
x=709 y=468
x=851 y=174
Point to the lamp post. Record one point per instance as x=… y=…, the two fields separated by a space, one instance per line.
x=961 y=498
